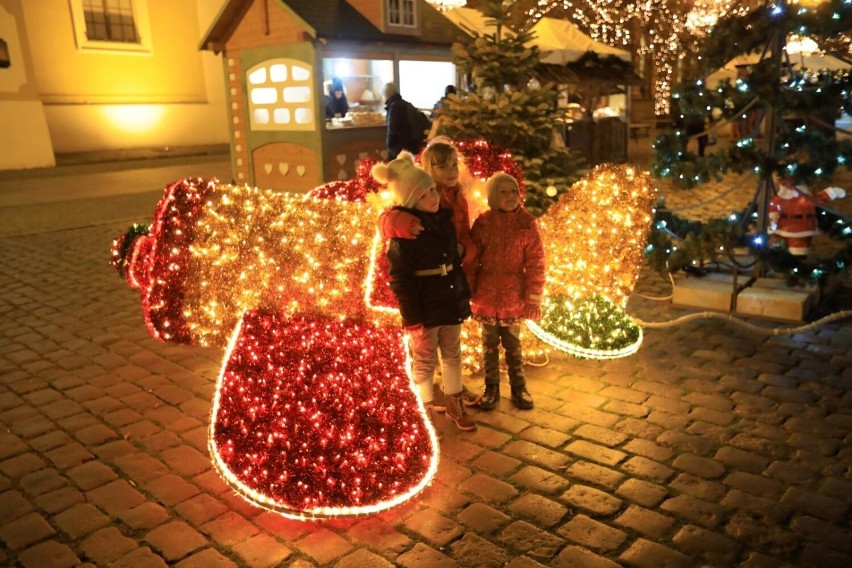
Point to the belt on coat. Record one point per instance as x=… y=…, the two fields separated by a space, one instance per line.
x=440 y=271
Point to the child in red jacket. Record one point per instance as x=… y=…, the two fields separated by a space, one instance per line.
x=507 y=281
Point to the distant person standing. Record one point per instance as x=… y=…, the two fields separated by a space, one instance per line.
x=448 y=90
x=336 y=105
x=399 y=130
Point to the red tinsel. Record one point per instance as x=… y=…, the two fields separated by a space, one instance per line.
x=316 y=417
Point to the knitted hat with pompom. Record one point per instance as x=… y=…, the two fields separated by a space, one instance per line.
x=407 y=182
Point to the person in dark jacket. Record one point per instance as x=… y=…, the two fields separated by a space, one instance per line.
x=398 y=136
x=427 y=279
x=336 y=105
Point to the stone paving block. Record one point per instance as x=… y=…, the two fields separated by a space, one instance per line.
x=263 y=551
x=123 y=418
x=645 y=522
x=670 y=422
x=49 y=553
x=483 y=519
x=106 y=545
x=80 y=520
x=594 y=473
x=533 y=541
x=588 y=415
x=171 y=490
x=141 y=467
x=648 y=449
x=434 y=527
x=69 y=455
x=537 y=509
x=599 y=435
x=200 y=509
x=648 y=469
x=459 y=450
x=642 y=492
x=21 y=465
x=49 y=441
x=573 y=556
x=754 y=484
x=186 y=461
x=713 y=548
x=699 y=466
x=595 y=452
x=423 y=556
x=207 y=558
x=538 y=455
x=473 y=550
x=625 y=408
x=91 y=475
x=639 y=430
x=741 y=460
x=25 y=531
x=551 y=420
x=175 y=540
x=837 y=488
x=229 y=529
x=502 y=421
x=444 y=499
x=523 y=562
x=703 y=489
x=590 y=499
x=707 y=515
x=115 y=497
x=42 y=481
x=494 y=463
x=323 y=545
x=814 y=504
x=59 y=500
x=835 y=537
x=647 y=554
x=145 y=516
x=486 y=437
x=381 y=536
x=685 y=442
x=544 y=436
x=488 y=489
x=13 y=505
x=592 y=534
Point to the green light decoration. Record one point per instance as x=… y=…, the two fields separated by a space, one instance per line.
x=591 y=328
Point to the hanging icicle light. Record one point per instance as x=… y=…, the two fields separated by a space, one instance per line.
x=444 y=5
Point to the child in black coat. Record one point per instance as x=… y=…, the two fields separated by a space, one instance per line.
x=427 y=279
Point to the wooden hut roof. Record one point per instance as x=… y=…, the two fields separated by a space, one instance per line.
x=336 y=20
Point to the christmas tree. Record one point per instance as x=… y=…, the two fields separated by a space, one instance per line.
x=786 y=115
x=510 y=109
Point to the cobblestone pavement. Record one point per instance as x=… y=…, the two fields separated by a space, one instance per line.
x=713 y=446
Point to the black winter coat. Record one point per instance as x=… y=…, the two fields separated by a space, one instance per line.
x=429 y=300
x=398 y=137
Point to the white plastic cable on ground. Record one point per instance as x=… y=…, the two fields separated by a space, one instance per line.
x=731 y=318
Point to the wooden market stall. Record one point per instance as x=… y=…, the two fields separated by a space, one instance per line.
x=281 y=56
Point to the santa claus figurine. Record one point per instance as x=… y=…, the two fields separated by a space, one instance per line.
x=792 y=213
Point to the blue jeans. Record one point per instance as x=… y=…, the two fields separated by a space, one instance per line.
x=425 y=344
x=510 y=337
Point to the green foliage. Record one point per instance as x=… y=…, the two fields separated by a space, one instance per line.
x=507 y=110
x=679 y=244
x=592 y=323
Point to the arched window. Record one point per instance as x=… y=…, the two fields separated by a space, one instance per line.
x=281 y=95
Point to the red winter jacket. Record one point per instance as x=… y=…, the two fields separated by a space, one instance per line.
x=508 y=274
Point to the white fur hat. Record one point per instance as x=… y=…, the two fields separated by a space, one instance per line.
x=491 y=187
x=407 y=182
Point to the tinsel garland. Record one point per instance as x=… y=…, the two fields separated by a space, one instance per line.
x=122 y=248
x=316 y=417
x=676 y=244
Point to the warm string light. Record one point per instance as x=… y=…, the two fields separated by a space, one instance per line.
x=594 y=237
x=315 y=418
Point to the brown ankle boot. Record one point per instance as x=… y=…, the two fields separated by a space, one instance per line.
x=457 y=413
x=433 y=418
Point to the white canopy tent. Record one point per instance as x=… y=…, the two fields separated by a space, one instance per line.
x=563 y=42
x=470 y=19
